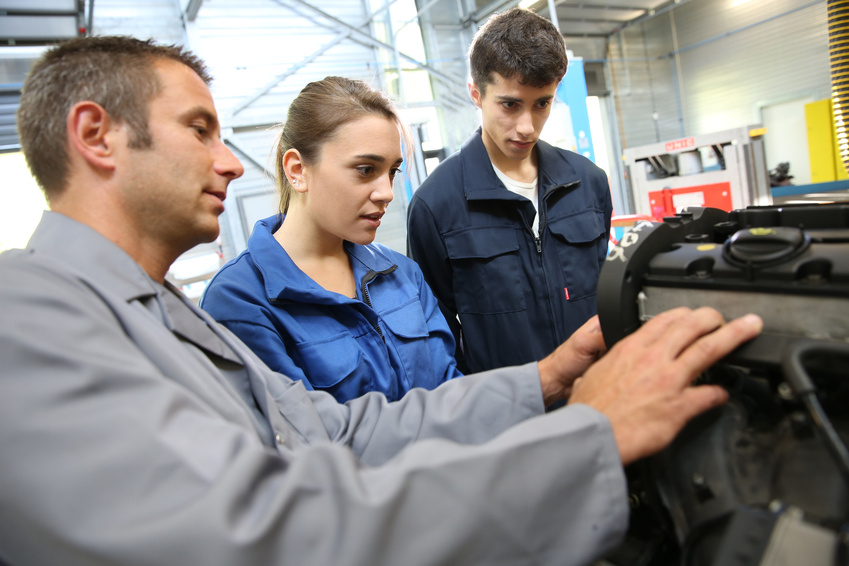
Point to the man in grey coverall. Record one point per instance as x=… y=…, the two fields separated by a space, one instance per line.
x=135 y=430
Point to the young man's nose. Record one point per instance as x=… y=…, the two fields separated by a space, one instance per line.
x=525 y=124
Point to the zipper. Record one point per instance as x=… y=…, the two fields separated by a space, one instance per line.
x=542 y=221
x=369 y=277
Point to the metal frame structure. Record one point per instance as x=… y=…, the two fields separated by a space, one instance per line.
x=662 y=185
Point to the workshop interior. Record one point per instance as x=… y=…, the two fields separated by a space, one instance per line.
x=721 y=127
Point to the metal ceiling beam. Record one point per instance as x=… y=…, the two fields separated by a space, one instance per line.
x=586 y=35
x=592 y=20
x=593 y=6
x=351 y=32
x=653 y=13
x=234 y=143
x=483 y=13
x=192 y=9
x=39 y=28
x=369 y=40
x=294 y=68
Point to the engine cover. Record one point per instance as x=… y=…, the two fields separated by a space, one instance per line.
x=764 y=478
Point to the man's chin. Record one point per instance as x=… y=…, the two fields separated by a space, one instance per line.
x=514 y=151
x=207 y=234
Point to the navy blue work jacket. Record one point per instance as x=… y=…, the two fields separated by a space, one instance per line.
x=517 y=294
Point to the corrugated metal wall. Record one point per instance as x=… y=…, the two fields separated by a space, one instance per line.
x=708 y=66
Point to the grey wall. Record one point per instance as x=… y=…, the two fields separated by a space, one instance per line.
x=708 y=66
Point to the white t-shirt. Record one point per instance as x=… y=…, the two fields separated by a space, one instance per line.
x=528 y=190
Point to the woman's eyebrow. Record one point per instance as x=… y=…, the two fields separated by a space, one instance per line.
x=371 y=156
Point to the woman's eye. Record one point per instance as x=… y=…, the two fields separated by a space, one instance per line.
x=365 y=170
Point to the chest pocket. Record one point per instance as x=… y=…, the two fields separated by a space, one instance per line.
x=407 y=341
x=330 y=360
x=581 y=248
x=487 y=270
x=407 y=322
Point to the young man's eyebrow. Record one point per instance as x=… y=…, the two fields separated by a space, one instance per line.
x=506 y=98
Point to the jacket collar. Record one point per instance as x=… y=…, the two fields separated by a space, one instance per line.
x=87 y=251
x=481 y=182
x=284 y=280
x=97 y=259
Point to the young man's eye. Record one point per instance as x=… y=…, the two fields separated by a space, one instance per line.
x=201 y=130
x=509 y=104
x=544 y=104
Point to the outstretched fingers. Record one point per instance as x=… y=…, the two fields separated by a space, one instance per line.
x=717 y=342
x=643 y=383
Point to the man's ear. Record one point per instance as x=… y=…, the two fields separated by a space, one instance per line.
x=91 y=134
x=293 y=167
x=475 y=93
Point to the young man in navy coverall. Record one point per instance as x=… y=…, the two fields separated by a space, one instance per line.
x=510 y=231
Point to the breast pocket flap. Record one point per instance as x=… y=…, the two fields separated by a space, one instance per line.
x=579 y=228
x=482 y=243
x=407 y=321
x=330 y=360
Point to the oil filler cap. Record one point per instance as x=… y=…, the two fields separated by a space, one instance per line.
x=766 y=245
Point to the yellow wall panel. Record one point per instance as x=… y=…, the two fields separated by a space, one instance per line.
x=825 y=160
x=821 y=141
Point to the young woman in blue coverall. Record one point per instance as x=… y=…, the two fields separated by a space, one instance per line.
x=312 y=295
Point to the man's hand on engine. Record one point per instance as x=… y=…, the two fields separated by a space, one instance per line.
x=643 y=384
x=569 y=362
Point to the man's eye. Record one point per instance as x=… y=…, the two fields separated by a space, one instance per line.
x=200 y=130
x=544 y=104
x=509 y=104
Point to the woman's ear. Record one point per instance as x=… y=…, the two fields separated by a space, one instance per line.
x=294 y=167
x=91 y=134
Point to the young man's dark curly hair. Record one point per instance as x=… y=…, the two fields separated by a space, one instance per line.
x=518 y=44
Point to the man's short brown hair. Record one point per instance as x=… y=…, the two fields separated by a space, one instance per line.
x=115 y=72
x=519 y=44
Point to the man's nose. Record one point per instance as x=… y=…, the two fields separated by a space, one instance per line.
x=227 y=164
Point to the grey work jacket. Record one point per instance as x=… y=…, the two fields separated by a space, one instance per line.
x=135 y=430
